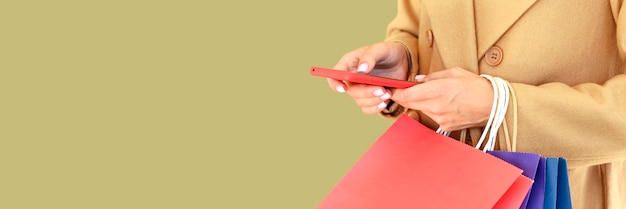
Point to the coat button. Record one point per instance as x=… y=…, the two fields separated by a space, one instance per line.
x=429 y=35
x=494 y=56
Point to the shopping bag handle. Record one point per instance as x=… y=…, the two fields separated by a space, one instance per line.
x=501 y=95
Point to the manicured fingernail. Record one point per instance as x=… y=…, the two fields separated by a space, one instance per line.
x=378 y=92
x=419 y=77
x=340 y=89
x=362 y=68
x=386 y=96
x=382 y=105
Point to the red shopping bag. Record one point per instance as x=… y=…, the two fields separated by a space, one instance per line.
x=515 y=196
x=529 y=163
x=411 y=166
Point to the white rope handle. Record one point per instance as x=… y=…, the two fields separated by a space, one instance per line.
x=493 y=110
x=503 y=103
x=499 y=107
x=442 y=132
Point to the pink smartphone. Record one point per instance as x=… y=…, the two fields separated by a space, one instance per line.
x=360 y=78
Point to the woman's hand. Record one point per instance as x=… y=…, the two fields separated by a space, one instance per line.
x=454 y=98
x=386 y=59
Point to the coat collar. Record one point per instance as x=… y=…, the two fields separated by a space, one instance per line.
x=463 y=37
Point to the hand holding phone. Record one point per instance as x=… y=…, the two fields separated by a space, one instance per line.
x=360 y=78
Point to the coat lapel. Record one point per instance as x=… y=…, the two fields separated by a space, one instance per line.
x=465 y=30
x=454 y=30
x=494 y=18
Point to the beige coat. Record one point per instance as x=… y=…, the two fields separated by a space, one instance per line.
x=566 y=62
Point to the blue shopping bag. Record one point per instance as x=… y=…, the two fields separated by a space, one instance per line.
x=563 y=196
x=557 y=189
x=550 y=189
x=552 y=172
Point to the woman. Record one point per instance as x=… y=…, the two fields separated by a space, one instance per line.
x=565 y=61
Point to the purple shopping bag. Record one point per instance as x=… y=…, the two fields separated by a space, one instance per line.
x=538 y=190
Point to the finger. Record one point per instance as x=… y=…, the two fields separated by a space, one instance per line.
x=449 y=73
x=372 y=55
x=362 y=90
x=337 y=85
x=420 y=78
x=348 y=62
x=410 y=95
x=373 y=100
x=374 y=109
x=368 y=91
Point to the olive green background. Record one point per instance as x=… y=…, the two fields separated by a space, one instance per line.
x=179 y=104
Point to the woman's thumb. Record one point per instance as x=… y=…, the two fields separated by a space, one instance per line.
x=363 y=67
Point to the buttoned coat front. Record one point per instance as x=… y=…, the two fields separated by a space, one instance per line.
x=565 y=60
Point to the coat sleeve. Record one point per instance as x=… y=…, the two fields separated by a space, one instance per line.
x=585 y=123
x=404 y=28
